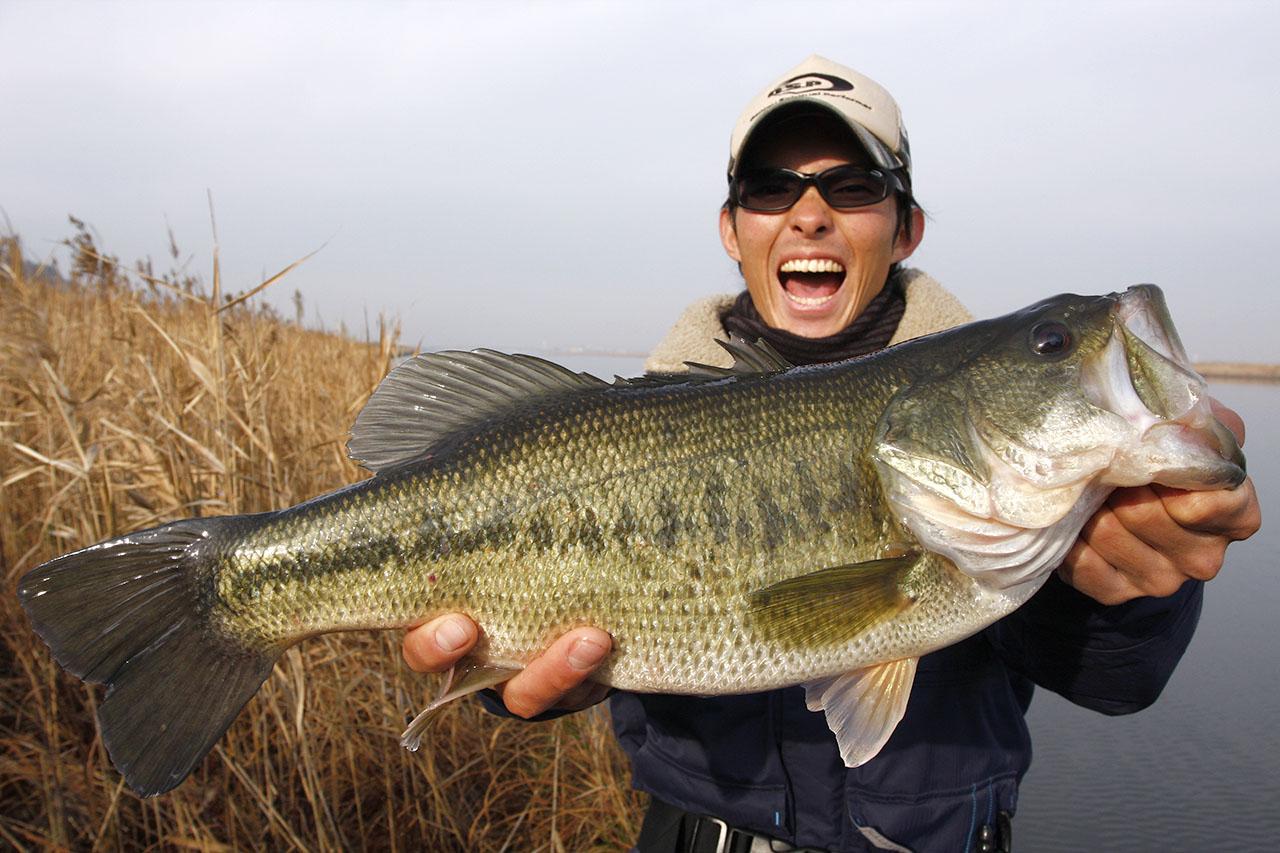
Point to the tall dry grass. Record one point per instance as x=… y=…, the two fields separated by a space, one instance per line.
x=128 y=399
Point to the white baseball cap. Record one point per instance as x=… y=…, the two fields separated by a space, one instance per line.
x=862 y=103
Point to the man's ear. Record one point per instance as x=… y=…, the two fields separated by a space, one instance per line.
x=729 y=234
x=906 y=241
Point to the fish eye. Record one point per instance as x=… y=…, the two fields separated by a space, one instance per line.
x=1050 y=338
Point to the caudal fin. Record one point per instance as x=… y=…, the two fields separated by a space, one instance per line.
x=133 y=613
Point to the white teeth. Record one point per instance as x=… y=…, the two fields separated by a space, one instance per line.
x=811 y=265
x=807 y=300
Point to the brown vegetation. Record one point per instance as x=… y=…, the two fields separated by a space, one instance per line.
x=128 y=399
x=1239 y=371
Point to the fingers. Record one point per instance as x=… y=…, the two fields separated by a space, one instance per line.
x=1112 y=565
x=558 y=677
x=1150 y=540
x=1231 y=513
x=1086 y=570
x=1138 y=533
x=437 y=645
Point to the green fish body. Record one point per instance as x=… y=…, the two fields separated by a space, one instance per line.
x=734 y=531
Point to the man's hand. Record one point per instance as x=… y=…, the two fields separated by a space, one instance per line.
x=555 y=679
x=1149 y=540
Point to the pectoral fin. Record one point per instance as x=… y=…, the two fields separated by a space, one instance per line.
x=833 y=605
x=467 y=676
x=863 y=707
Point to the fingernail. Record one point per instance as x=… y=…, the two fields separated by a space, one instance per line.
x=586 y=654
x=452 y=635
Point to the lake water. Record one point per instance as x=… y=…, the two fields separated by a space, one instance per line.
x=1200 y=769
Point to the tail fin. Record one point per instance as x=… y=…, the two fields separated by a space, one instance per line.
x=133 y=613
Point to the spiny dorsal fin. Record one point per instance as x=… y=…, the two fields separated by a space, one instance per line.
x=432 y=395
x=749 y=359
x=833 y=605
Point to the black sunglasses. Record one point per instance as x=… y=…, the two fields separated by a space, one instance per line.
x=842 y=187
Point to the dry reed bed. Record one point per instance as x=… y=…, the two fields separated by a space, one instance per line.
x=128 y=399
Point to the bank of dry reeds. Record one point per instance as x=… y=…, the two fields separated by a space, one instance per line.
x=129 y=398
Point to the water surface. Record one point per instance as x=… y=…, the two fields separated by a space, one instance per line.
x=1200 y=769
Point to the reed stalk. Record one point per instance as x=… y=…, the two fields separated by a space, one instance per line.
x=128 y=399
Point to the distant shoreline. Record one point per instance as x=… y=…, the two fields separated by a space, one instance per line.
x=1250 y=371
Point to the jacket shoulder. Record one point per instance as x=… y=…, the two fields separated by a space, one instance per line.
x=693 y=337
x=930 y=307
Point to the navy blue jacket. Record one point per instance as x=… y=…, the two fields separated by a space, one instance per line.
x=765 y=762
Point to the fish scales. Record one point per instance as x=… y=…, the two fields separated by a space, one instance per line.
x=553 y=520
x=758 y=527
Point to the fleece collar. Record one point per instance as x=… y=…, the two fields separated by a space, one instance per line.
x=929 y=309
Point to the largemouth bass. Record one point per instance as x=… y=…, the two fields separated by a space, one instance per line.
x=735 y=531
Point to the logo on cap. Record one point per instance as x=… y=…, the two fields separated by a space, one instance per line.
x=811 y=82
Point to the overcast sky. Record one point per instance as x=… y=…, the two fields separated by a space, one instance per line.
x=519 y=175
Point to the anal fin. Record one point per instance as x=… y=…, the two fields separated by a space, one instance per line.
x=467 y=676
x=864 y=706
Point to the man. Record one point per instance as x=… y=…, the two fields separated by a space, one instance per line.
x=820 y=215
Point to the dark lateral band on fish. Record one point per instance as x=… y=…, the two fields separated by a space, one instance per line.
x=735 y=530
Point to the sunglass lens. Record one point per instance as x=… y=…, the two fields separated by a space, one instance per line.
x=768 y=189
x=853 y=187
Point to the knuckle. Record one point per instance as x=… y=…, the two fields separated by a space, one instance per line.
x=1205 y=563
x=1198 y=510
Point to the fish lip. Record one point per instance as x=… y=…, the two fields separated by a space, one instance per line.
x=1143 y=310
x=1201 y=452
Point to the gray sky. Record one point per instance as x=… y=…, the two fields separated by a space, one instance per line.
x=525 y=174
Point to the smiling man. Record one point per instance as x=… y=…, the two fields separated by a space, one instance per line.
x=819 y=217
x=810 y=270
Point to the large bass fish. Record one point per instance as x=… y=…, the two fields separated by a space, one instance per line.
x=741 y=530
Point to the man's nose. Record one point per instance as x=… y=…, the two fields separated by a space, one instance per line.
x=810 y=215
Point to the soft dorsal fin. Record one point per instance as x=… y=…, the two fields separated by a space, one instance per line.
x=749 y=359
x=432 y=395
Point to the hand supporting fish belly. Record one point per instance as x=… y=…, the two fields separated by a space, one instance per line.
x=733 y=531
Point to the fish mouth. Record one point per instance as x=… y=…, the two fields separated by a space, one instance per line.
x=811 y=283
x=1143 y=375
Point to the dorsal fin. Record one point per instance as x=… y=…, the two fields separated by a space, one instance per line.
x=433 y=395
x=749 y=359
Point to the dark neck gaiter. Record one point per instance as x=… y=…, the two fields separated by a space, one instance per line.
x=870 y=330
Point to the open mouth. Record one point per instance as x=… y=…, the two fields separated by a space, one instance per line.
x=1144 y=376
x=811 y=282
